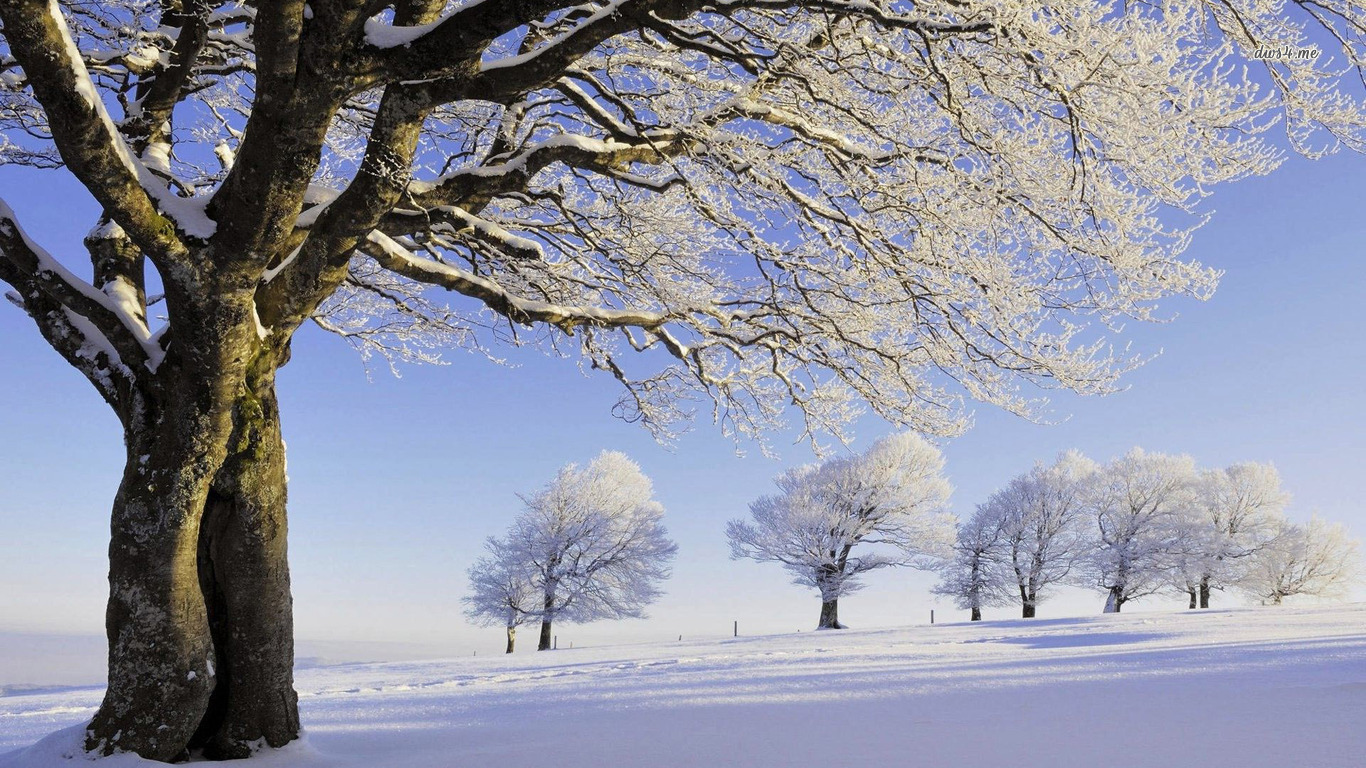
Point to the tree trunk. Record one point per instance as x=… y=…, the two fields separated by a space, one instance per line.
x=1193 y=602
x=1204 y=592
x=1115 y=600
x=544 y=645
x=512 y=638
x=244 y=575
x=976 y=613
x=200 y=617
x=830 y=615
x=1027 y=610
x=161 y=664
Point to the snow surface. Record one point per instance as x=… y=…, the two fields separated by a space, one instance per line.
x=1282 y=687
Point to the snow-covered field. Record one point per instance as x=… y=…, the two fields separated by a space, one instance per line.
x=1281 y=688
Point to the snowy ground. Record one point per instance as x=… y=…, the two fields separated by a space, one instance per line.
x=1282 y=688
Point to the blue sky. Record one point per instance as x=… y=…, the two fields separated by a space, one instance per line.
x=394 y=483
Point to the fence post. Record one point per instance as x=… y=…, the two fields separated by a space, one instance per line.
x=931 y=615
x=737 y=628
x=555 y=642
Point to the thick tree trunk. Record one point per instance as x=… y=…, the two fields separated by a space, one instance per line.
x=161 y=662
x=1193 y=601
x=512 y=638
x=544 y=644
x=976 y=613
x=244 y=576
x=1204 y=592
x=830 y=615
x=200 y=617
x=1027 y=610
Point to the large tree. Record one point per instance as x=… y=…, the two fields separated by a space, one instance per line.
x=778 y=202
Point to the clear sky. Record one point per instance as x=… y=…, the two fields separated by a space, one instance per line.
x=395 y=483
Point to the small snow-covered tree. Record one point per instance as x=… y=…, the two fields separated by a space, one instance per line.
x=1240 y=507
x=974 y=576
x=593 y=541
x=1137 y=504
x=832 y=522
x=502 y=589
x=1314 y=558
x=1042 y=516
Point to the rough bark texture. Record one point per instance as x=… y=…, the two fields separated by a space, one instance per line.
x=1193 y=602
x=512 y=638
x=244 y=575
x=976 y=614
x=200 y=617
x=544 y=644
x=1204 y=592
x=830 y=615
x=1027 y=610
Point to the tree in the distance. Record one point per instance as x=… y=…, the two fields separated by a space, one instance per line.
x=593 y=541
x=1316 y=558
x=502 y=589
x=1136 y=505
x=1043 y=519
x=832 y=522
x=821 y=205
x=974 y=575
x=1242 y=508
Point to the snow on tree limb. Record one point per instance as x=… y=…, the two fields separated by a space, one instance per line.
x=120 y=329
x=838 y=205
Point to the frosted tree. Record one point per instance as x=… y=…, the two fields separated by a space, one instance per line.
x=1138 y=505
x=1043 y=526
x=1314 y=558
x=503 y=589
x=774 y=208
x=1240 y=507
x=832 y=522
x=975 y=575
x=594 y=544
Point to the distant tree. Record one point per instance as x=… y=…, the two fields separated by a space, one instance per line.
x=832 y=522
x=1314 y=558
x=503 y=589
x=1043 y=517
x=1137 y=504
x=594 y=544
x=974 y=576
x=1241 y=507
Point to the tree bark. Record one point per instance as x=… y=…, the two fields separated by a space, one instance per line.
x=544 y=645
x=1115 y=600
x=199 y=620
x=1027 y=610
x=1193 y=602
x=1204 y=592
x=244 y=576
x=830 y=615
x=976 y=613
x=512 y=638
x=160 y=651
